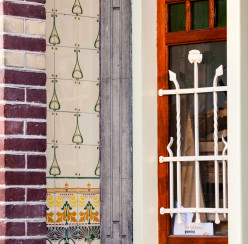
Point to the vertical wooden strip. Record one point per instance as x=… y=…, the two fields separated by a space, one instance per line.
x=166 y=18
x=211 y=14
x=105 y=119
x=116 y=110
x=188 y=15
x=126 y=121
x=116 y=114
x=163 y=115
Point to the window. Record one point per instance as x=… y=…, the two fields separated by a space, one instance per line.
x=192 y=173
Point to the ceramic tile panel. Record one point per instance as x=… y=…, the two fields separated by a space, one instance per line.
x=73 y=166
x=79 y=8
x=76 y=63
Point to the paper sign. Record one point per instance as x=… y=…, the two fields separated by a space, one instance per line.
x=190 y=228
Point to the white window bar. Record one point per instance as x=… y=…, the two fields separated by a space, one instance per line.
x=195 y=57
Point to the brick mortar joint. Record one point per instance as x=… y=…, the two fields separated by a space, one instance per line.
x=23 y=186
x=22 y=237
x=22 y=51
x=23 y=203
x=24 y=35
x=39 y=71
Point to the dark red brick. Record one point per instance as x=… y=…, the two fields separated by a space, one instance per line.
x=22 y=211
x=36 y=162
x=12 y=194
x=22 y=77
x=36 y=228
x=36 y=95
x=22 y=144
x=22 y=111
x=25 y=178
x=12 y=161
x=23 y=43
x=11 y=128
x=12 y=229
x=36 y=194
x=36 y=128
x=23 y=10
x=12 y=94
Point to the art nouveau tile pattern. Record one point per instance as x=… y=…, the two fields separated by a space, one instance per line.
x=73 y=166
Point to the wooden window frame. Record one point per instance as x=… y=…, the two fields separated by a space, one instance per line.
x=165 y=39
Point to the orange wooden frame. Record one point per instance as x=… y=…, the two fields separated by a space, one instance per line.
x=164 y=40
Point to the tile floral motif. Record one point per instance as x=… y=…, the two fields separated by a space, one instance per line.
x=54 y=103
x=54 y=169
x=97 y=106
x=77 y=8
x=77 y=137
x=54 y=38
x=73 y=105
x=96 y=44
x=97 y=170
x=65 y=228
x=77 y=72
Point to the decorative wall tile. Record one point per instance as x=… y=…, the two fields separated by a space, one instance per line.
x=88 y=101
x=68 y=30
x=73 y=166
x=88 y=31
x=67 y=95
x=68 y=67
x=91 y=8
x=50 y=68
x=50 y=128
x=88 y=157
x=67 y=160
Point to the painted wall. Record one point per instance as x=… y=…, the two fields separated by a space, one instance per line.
x=73 y=191
x=144 y=31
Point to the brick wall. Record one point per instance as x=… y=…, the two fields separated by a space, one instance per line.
x=22 y=122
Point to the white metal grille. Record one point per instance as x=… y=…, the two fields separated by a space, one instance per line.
x=195 y=57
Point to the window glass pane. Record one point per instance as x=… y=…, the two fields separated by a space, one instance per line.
x=177 y=17
x=200 y=15
x=214 y=54
x=220 y=13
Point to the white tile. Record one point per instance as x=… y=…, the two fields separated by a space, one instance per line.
x=68 y=29
x=87 y=96
x=50 y=67
x=88 y=157
x=89 y=126
x=67 y=160
x=66 y=61
x=50 y=126
x=87 y=32
x=67 y=95
x=91 y=7
x=64 y=6
x=65 y=126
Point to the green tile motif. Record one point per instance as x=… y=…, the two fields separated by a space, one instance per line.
x=77 y=137
x=77 y=8
x=54 y=169
x=54 y=36
x=77 y=72
x=54 y=102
